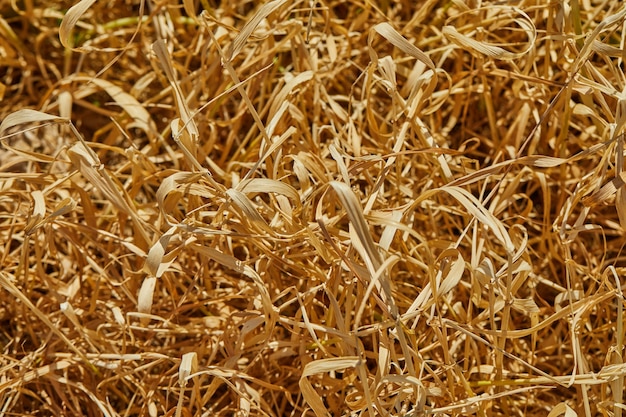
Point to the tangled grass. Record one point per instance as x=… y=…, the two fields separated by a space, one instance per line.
x=301 y=208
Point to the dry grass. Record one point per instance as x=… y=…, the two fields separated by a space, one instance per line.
x=312 y=208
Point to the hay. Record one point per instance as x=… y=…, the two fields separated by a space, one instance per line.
x=312 y=209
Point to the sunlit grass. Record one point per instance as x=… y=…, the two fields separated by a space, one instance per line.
x=300 y=208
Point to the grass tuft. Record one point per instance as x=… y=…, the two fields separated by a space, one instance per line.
x=307 y=208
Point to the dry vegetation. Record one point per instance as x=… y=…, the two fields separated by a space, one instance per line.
x=306 y=208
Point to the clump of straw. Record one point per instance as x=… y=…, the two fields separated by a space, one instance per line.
x=317 y=209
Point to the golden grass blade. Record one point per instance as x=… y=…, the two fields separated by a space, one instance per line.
x=331 y=46
x=66 y=100
x=538 y=161
x=64 y=206
x=524 y=22
x=36 y=219
x=526 y=306
x=29 y=155
x=452 y=278
x=190 y=8
x=131 y=106
x=27 y=116
x=34 y=375
x=620 y=201
x=543 y=161
x=169 y=194
x=70 y=19
x=364 y=244
x=228 y=374
x=320 y=367
x=154 y=262
x=467 y=43
x=275 y=144
x=606 y=50
x=607 y=191
x=9 y=34
x=587 y=47
x=188 y=366
x=443 y=163
x=388 y=32
x=292 y=83
x=388 y=71
x=484 y=216
x=189 y=125
x=264 y=185
x=38 y=216
x=384 y=289
x=104 y=408
x=319 y=246
x=248 y=210
x=83 y=159
x=364 y=382
x=275 y=120
x=145 y=297
x=341 y=165
x=457 y=267
x=471 y=404
x=562 y=409
x=349 y=201
x=389 y=231
x=240 y=40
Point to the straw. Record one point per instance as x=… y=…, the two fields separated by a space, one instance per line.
x=300 y=208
